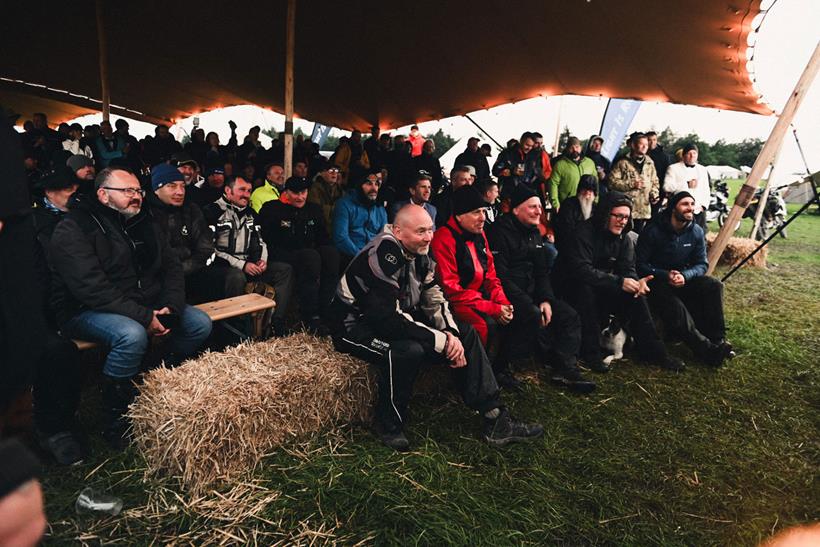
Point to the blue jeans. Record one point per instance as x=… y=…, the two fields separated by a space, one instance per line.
x=127 y=340
x=552 y=254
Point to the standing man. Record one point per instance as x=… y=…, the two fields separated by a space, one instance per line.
x=239 y=244
x=546 y=325
x=473 y=156
x=358 y=217
x=459 y=177
x=419 y=195
x=108 y=145
x=602 y=165
x=296 y=234
x=428 y=163
x=672 y=250
x=390 y=311
x=635 y=176
x=688 y=175
x=416 y=141
x=116 y=281
x=515 y=166
x=568 y=170
x=658 y=155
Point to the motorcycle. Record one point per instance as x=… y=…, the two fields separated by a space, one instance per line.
x=719 y=204
x=774 y=213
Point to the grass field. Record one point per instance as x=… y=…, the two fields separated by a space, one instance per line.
x=706 y=457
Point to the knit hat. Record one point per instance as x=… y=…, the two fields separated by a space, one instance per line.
x=688 y=147
x=183 y=158
x=520 y=194
x=467 y=199
x=214 y=170
x=59 y=179
x=587 y=182
x=297 y=184
x=676 y=197
x=162 y=174
x=78 y=161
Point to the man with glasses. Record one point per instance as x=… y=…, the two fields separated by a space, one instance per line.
x=420 y=193
x=358 y=217
x=596 y=275
x=326 y=190
x=118 y=283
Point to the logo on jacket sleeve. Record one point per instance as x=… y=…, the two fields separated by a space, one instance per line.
x=184 y=230
x=391 y=258
x=285 y=224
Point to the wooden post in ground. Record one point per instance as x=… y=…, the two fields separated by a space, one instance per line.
x=290 y=43
x=767 y=154
x=102 y=45
x=761 y=204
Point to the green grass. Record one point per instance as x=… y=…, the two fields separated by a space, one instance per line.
x=707 y=457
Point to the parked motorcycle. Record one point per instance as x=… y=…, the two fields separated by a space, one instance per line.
x=774 y=212
x=719 y=204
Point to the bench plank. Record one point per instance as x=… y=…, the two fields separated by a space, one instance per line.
x=216 y=310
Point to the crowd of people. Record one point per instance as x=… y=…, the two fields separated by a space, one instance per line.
x=377 y=248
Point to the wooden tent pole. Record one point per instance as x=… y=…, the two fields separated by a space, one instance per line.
x=770 y=149
x=290 y=41
x=102 y=45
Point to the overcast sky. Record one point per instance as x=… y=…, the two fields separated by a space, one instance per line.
x=784 y=43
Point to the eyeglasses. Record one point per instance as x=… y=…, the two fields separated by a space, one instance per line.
x=130 y=192
x=619 y=218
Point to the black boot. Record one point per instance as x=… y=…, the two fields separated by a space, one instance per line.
x=117 y=394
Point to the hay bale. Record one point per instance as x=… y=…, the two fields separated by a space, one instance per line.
x=213 y=418
x=739 y=248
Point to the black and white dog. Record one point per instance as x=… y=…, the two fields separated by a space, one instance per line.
x=613 y=338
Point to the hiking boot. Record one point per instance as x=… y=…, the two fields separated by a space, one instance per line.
x=716 y=354
x=507 y=381
x=278 y=328
x=395 y=440
x=571 y=378
x=505 y=429
x=117 y=394
x=63 y=447
x=671 y=363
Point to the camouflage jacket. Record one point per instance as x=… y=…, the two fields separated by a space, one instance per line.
x=624 y=178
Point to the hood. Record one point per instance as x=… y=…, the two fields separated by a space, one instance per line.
x=607 y=202
x=587 y=151
x=359 y=196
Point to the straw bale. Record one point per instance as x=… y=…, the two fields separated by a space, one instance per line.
x=213 y=418
x=739 y=248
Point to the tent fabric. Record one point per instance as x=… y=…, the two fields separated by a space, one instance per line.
x=368 y=62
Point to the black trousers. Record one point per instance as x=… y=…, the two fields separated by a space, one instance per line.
x=693 y=312
x=57 y=385
x=316 y=272
x=556 y=344
x=399 y=362
x=595 y=304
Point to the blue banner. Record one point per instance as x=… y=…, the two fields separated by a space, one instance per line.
x=320 y=133
x=617 y=118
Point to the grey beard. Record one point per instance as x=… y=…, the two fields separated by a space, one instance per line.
x=586 y=207
x=124 y=212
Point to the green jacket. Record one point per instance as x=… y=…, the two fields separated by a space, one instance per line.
x=565 y=176
x=265 y=193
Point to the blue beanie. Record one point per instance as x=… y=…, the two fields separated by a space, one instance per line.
x=162 y=174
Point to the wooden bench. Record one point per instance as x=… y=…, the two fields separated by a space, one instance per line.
x=217 y=311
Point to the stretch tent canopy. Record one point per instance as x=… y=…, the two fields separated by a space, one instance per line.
x=365 y=62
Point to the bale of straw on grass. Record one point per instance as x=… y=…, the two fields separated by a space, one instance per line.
x=213 y=418
x=739 y=248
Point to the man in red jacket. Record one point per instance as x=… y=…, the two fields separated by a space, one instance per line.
x=465 y=267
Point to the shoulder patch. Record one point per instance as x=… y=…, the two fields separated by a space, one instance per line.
x=389 y=256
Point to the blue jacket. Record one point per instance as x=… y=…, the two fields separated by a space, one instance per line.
x=355 y=224
x=661 y=249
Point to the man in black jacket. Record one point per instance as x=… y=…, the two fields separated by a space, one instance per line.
x=596 y=274
x=390 y=311
x=117 y=282
x=295 y=233
x=472 y=155
x=188 y=234
x=542 y=322
x=575 y=210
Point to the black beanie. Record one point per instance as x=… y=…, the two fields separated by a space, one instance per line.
x=467 y=199
x=520 y=194
x=676 y=197
x=587 y=182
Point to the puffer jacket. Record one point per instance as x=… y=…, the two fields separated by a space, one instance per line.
x=356 y=221
x=661 y=249
x=188 y=233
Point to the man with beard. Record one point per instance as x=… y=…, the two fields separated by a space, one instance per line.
x=516 y=166
x=325 y=190
x=211 y=188
x=351 y=158
x=602 y=164
x=419 y=195
x=596 y=275
x=108 y=145
x=672 y=250
x=296 y=233
x=542 y=323
x=239 y=245
x=74 y=143
x=635 y=176
x=443 y=201
x=83 y=168
x=271 y=188
x=189 y=169
x=390 y=311
x=567 y=173
x=117 y=283
x=358 y=217
x=658 y=155
x=575 y=210
x=400 y=171
x=690 y=176
x=473 y=156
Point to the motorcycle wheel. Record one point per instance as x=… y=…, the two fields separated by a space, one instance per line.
x=763 y=231
x=722 y=219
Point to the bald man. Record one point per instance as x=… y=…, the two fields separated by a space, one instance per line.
x=389 y=311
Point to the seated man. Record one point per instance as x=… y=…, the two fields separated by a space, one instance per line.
x=596 y=274
x=419 y=195
x=116 y=281
x=271 y=188
x=326 y=190
x=672 y=249
x=84 y=172
x=295 y=233
x=210 y=189
x=542 y=322
x=358 y=217
x=239 y=244
x=574 y=210
x=459 y=176
x=188 y=234
x=390 y=311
